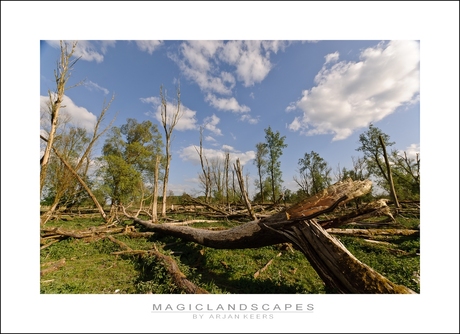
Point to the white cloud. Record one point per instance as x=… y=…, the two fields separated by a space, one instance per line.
x=350 y=95
x=228 y=148
x=332 y=57
x=250 y=58
x=155 y=100
x=295 y=125
x=190 y=154
x=187 y=120
x=149 y=46
x=249 y=119
x=207 y=63
x=197 y=64
x=77 y=116
x=91 y=86
x=227 y=104
x=210 y=124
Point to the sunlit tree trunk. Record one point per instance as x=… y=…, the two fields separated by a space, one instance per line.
x=62 y=75
x=155 y=190
x=390 y=177
x=169 y=121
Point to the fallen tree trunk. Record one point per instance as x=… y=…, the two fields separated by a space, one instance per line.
x=339 y=269
x=358 y=232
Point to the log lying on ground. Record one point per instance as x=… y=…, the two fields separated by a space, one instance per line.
x=255 y=234
x=339 y=269
x=358 y=232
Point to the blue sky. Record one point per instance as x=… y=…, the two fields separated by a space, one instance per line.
x=320 y=95
x=434 y=23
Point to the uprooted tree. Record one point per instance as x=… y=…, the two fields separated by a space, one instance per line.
x=337 y=267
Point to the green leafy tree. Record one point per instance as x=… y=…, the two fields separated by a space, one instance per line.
x=373 y=154
x=61 y=188
x=128 y=159
x=406 y=175
x=405 y=172
x=275 y=144
x=314 y=174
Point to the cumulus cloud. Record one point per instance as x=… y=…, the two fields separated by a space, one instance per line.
x=332 y=57
x=251 y=59
x=210 y=124
x=148 y=46
x=228 y=148
x=190 y=154
x=75 y=115
x=187 y=120
x=226 y=104
x=350 y=95
x=216 y=66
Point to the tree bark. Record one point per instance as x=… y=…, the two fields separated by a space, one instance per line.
x=239 y=174
x=339 y=269
x=155 y=190
x=62 y=75
x=390 y=177
x=359 y=232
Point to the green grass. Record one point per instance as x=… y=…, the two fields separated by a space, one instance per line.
x=91 y=268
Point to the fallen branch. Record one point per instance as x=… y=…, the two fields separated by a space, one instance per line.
x=355 y=232
x=257 y=273
x=188 y=198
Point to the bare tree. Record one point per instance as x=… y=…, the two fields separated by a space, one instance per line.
x=227 y=162
x=238 y=169
x=62 y=75
x=155 y=190
x=205 y=178
x=390 y=177
x=169 y=120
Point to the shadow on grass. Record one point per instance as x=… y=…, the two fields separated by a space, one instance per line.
x=203 y=271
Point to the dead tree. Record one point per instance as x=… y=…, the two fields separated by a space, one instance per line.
x=338 y=268
x=244 y=193
x=390 y=177
x=169 y=121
